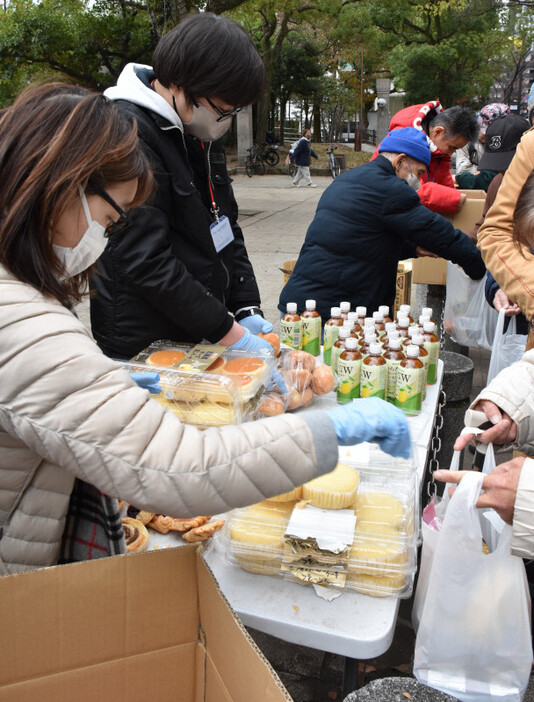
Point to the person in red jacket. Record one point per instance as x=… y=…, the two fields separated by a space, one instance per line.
x=446 y=130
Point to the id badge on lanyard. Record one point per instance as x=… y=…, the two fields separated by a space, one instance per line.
x=221 y=233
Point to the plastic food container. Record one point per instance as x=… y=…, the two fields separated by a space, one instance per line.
x=378 y=558
x=250 y=373
x=202 y=399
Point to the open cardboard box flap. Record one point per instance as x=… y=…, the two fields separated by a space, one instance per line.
x=153 y=624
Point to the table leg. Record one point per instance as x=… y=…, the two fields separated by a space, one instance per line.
x=353 y=676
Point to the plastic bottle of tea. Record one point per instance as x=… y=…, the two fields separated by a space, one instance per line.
x=338 y=347
x=432 y=346
x=311 y=326
x=418 y=340
x=409 y=377
x=331 y=332
x=348 y=371
x=345 y=309
x=290 y=326
x=373 y=379
x=393 y=355
x=385 y=313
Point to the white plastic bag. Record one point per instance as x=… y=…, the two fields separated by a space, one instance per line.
x=508 y=346
x=473 y=640
x=468 y=319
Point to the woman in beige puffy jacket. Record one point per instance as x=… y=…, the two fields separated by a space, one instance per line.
x=70 y=169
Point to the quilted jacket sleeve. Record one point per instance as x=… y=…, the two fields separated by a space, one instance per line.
x=77 y=408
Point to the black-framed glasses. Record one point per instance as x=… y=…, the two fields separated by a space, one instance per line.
x=122 y=223
x=222 y=115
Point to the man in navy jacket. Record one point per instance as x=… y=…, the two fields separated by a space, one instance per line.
x=366 y=221
x=301 y=158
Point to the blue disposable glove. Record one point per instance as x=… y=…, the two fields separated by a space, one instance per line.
x=148 y=381
x=251 y=342
x=256 y=324
x=372 y=419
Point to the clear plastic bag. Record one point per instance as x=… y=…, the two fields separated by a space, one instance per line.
x=468 y=319
x=508 y=346
x=473 y=639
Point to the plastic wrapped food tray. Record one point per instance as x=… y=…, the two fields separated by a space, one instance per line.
x=202 y=399
x=381 y=561
x=249 y=372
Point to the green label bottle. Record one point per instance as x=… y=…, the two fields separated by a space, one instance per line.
x=290 y=327
x=348 y=370
x=373 y=380
x=409 y=376
x=339 y=347
x=331 y=333
x=393 y=356
x=311 y=326
x=432 y=346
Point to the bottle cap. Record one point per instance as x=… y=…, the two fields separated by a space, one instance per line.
x=344 y=333
x=291 y=307
x=395 y=344
x=412 y=351
x=351 y=343
x=406 y=309
x=378 y=316
x=418 y=339
x=370 y=338
x=344 y=306
x=427 y=311
x=390 y=326
x=429 y=327
x=352 y=316
x=348 y=324
x=403 y=322
x=361 y=311
x=423 y=318
x=384 y=309
x=393 y=334
x=335 y=312
x=375 y=349
x=369 y=322
x=412 y=330
x=310 y=304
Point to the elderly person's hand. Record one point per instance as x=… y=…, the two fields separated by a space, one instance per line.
x=501 y=301
x=503 y=431
x=500 y=486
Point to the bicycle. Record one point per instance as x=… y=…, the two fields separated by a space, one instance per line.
x=333 y=165
x=269 y=154
x=254 y=163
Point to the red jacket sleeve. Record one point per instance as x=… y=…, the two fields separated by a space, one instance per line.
x=439 y=198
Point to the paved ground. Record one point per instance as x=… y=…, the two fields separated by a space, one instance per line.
x=274 y=218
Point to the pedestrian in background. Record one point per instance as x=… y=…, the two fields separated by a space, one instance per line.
x=301 y=157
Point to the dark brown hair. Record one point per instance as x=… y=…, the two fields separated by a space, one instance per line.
x=523 y=219
x=54 y=139
x=210 y=56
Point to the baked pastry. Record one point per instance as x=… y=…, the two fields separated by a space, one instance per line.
x=377 y=585
x=372 y=551
x=290 y=496
x=199 y=413
x=322 y=380
x=164 y=524
x=379 y=508
x=301 y=359
x=335 y=490
x=135 y=535
x=139 y=514
x=274 y=340
x=245 y=371
x=204 y=532
x=298 y=378
x=165 y=357
x=216 y=366
x=257 y=536
x=271 y=405
x=306 y=397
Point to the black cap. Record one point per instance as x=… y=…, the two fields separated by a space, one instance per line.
x=502 y=137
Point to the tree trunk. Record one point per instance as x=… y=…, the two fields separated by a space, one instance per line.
x=316 y=117
x=283 y=106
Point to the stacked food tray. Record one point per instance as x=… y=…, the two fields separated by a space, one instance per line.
x=364 y=540
x=226 y=392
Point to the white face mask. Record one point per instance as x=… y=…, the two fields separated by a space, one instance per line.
x=413 y=181
x=90 y=247
x=204 y=125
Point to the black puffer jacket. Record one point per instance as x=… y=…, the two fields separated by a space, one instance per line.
x=162 y=277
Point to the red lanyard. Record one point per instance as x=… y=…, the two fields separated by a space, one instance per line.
x=214 y=209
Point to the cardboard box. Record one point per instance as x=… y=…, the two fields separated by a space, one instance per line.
x=147 y=626
x=474 y=194
x=403 y=290
x=433 y=271
x=288 y=268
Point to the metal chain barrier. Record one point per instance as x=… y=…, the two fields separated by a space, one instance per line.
x=442 y=329
x=435 y=446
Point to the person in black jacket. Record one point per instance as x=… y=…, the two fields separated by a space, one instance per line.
x=181 y=270
x=366 y=221
x=301 y=158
